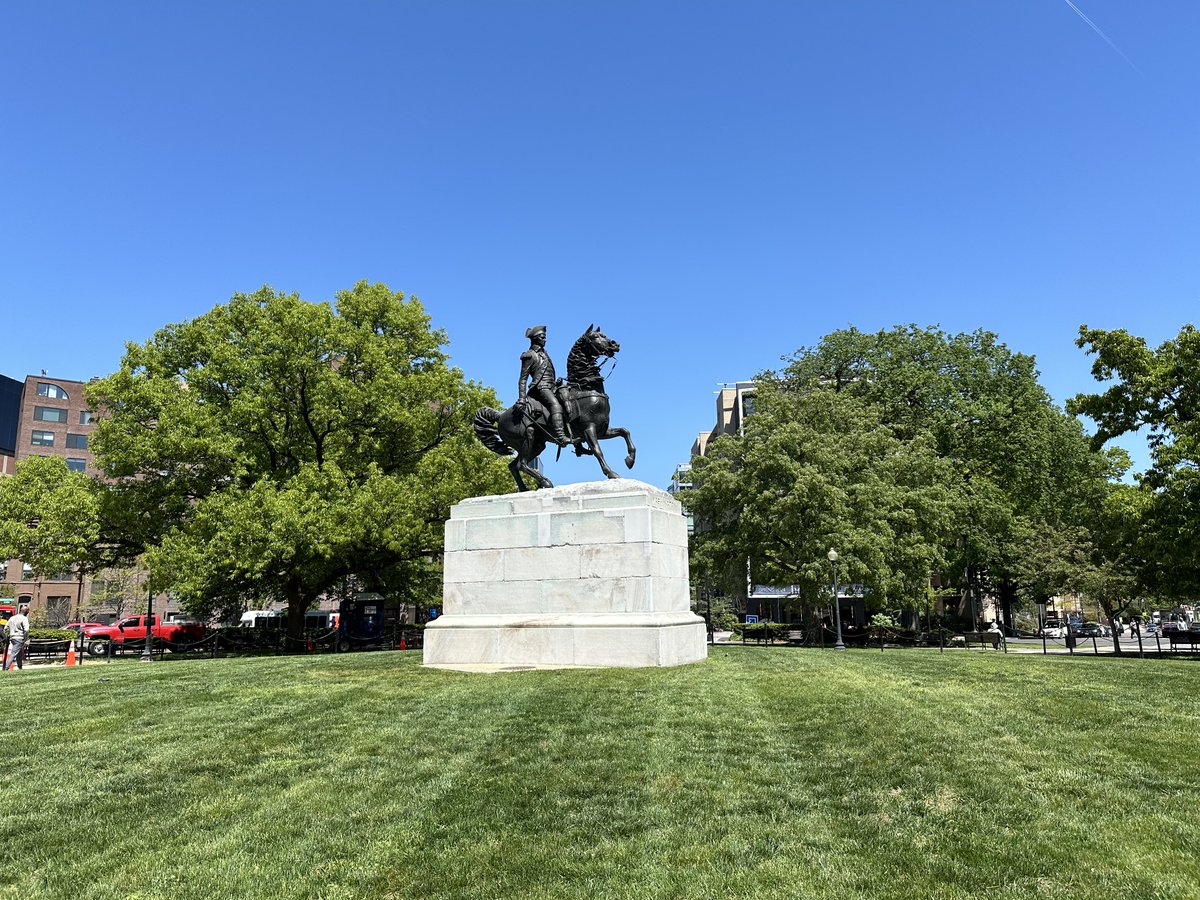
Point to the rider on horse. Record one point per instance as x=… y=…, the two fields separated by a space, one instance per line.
x=538 y=368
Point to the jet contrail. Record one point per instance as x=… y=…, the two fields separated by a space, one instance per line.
x=1107 y=40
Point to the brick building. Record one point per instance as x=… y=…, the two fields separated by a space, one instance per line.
x=47 y=416
x=44 y=416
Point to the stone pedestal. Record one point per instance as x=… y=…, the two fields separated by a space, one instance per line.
x=589 y=574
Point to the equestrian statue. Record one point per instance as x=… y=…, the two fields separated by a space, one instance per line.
x=549 y=410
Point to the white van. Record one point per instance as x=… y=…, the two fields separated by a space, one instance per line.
x=263 y=618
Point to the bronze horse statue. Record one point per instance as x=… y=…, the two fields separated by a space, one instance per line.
x=523 y=430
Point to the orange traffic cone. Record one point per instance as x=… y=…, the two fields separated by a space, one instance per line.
x=71 y=655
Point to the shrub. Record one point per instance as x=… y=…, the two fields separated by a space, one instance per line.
x=50 y=634
x=724 y=621
x=761 y=631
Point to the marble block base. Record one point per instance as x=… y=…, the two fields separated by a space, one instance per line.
x=589 y=574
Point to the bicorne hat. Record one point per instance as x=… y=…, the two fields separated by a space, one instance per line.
x=530 y=332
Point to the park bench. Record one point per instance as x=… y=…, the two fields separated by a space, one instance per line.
x=994 y=638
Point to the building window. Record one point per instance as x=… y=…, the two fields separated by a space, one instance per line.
x=76 y=465
x=85 y=417
x=3 y=570
x=49 y=414
x=76 y=441
x=26 y=572
x=53 y=391
x=43 y=439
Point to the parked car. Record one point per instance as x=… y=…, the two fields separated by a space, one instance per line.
x=1171 y=626
x=1054 y=630
x=1150 y=628
x=102 y=639
x=1091 y=629
x=1195 y=626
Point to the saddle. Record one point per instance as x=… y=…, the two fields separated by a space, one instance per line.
x=566 y=397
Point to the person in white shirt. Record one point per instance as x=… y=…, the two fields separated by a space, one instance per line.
x=17 y=632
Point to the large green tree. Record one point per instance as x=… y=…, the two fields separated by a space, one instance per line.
x=273 y=447
x=1097 y=558
x=1155 y=391
x=816 y=470
x=50 y=518
x=963 y=412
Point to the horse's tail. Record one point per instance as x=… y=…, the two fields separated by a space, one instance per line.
x=485 y=429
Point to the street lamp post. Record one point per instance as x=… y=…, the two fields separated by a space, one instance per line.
x=837 y=607
x=1041 y=605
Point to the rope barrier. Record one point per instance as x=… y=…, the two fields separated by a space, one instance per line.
x=249 y=642
x=825 y=637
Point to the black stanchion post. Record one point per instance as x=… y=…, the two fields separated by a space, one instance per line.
x=1158 y=643
x=148 y=650
x=941 y=639
x=1095 y=649
x=1141 y=654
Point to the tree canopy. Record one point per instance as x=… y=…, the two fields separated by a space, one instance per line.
x=1156 y=392
x=950 y=446
x=272 y=447
x=814 y=471
x=50 y=517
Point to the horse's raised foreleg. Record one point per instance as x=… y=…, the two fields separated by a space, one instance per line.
x=593 y=440
x=622 y=433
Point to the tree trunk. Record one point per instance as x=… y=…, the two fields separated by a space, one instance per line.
x=1112 y=623
x=297 y=604
x=1008 y=595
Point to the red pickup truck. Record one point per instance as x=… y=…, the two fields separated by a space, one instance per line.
x=98 y=638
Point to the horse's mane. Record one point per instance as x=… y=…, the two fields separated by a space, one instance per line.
x=582 y=368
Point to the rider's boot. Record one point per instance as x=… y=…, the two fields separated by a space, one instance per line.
x=556 y=429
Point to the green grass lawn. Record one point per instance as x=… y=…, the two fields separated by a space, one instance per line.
x=759 y=773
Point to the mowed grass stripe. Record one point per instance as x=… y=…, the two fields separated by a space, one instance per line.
x=758 y=773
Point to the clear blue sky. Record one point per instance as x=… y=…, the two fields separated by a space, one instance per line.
x=714 y=184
